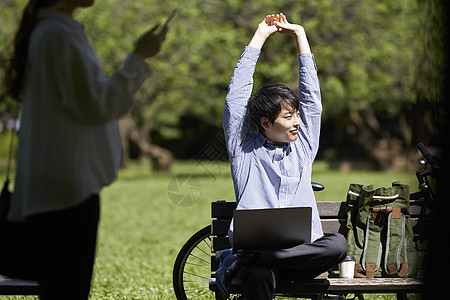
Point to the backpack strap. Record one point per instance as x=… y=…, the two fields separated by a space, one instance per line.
x=373 y=248
x=395 y=253
x=355 y=233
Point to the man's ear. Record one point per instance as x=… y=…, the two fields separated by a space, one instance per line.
x=265 y=123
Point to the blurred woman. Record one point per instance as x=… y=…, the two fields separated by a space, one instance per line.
x=69 y=144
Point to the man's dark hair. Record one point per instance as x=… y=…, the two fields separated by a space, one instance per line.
x=267 y=101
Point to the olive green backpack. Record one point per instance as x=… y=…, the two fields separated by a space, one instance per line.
x=380 y=235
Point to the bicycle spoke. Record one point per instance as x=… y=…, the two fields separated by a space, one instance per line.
x=206 y=253
x=196 y=289
x=197 y=265
x=207 y=278
x=196 y=281
x=208 y=244
x=198 y=295
x=205 y=261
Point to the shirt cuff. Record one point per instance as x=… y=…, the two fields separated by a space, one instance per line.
x=307 y=60
x=251 y=53
x=137 y=62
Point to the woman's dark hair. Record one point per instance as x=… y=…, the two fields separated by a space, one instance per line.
x=15 y=69
x=267 y=101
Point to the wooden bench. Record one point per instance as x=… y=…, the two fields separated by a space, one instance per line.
x=333 y=218
x=9 y=286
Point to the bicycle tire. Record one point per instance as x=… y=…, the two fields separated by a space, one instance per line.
x=192 y=267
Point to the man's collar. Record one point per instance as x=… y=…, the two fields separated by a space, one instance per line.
x=269 y=144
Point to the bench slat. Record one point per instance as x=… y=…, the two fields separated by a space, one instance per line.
x=222 y=210
x=220 y=227
x=366 y=285
x=331 y=209
x=341 y=286
x=334 y=225
x=327 y=209
x=18 y=287
x=420 y=226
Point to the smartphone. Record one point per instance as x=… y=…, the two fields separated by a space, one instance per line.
x=171 y=16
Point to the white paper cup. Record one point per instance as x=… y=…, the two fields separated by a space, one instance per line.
x=347 y=267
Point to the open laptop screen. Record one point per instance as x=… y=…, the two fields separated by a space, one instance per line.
x=273 y=228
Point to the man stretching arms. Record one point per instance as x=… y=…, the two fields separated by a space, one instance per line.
x=271 y=168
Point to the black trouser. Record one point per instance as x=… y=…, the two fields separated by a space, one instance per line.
x=304 y=262
x=66 y=241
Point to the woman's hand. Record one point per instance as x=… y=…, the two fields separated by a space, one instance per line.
x=149 y=44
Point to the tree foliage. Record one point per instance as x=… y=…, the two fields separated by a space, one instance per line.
x=376 y=60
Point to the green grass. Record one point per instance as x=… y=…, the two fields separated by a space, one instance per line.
x=144 y=224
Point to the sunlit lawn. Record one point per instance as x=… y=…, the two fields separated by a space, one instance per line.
x=145 y=221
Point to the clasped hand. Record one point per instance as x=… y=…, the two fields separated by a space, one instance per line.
x=279 y=23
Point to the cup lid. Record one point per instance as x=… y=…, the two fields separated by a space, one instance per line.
x=349 y=258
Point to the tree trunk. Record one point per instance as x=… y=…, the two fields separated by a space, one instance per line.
x=129 y=132
x=382 y=149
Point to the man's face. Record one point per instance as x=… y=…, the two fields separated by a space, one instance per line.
x=285 y=127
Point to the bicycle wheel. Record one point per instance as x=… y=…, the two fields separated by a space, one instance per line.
x=192 y=267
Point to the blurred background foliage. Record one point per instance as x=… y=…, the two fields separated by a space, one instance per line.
x=380 y=65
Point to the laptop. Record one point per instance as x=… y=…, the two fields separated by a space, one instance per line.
x=272 y=228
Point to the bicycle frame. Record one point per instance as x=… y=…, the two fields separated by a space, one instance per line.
x=426 y=176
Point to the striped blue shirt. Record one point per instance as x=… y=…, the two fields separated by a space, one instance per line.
x=264 y=175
